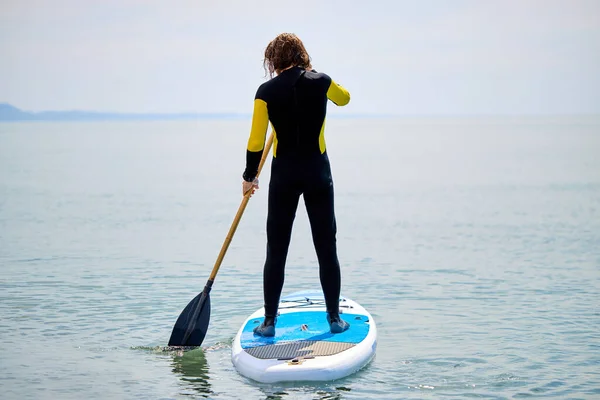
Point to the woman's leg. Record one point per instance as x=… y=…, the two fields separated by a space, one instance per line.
x=319 y=201
x=319 y=206
x=283 y=203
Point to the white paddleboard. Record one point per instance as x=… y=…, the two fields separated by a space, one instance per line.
x=303 y=348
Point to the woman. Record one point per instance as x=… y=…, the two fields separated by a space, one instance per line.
x=295 y=102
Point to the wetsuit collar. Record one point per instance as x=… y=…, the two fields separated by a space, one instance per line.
x=292 y=71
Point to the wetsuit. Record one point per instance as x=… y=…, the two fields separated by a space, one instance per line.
x=295 y=102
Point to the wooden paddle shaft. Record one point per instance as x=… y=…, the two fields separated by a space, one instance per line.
x=238 y=216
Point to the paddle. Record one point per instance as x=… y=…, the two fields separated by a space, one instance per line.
x=192 y=324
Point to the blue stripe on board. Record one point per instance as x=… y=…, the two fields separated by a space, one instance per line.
x=289 y=328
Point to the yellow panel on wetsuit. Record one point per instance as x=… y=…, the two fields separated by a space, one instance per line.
x=260 y=122
x=296 y=104
x=338 y=94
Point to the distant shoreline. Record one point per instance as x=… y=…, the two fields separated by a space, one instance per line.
x=99 y=117
x=10 y=113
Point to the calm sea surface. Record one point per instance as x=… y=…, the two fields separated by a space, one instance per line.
x=474 y=243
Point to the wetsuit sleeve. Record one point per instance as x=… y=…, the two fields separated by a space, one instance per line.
x=338 y=94
x=256 y=142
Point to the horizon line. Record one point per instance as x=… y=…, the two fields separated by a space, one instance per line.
x=90 y=114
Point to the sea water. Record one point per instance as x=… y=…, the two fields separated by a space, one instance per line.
x=473 y=242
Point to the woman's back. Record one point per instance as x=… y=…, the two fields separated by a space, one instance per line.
x=297 y=106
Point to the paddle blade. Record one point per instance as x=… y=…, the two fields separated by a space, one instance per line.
x=192 y=324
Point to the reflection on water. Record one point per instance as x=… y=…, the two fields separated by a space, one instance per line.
x=192 y=368
x=276 y=396
x=320 y=392
x=189 y=364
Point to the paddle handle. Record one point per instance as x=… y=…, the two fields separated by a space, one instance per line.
x=238 y=216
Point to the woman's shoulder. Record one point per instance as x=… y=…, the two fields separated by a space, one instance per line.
x=265 y=88
x=320 y=79
x=315 y=75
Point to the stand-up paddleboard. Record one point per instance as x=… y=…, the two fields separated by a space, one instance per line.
x=303 y=348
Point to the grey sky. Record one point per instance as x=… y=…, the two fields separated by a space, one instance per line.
x=396 y=57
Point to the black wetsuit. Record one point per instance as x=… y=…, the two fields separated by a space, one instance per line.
x=295 y=102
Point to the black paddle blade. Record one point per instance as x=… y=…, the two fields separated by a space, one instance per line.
x=192 y=324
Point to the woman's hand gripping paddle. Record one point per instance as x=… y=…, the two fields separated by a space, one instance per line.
x=192 y=324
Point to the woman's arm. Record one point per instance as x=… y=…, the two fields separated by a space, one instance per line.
x=256 y=142
x=338 y=94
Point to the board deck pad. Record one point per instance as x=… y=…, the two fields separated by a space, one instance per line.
x=311 y=326
x=300 y=349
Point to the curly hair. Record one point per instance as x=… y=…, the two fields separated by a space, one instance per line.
x=284 y=51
